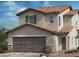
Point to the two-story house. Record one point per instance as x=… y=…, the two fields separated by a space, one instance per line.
x=45 y=27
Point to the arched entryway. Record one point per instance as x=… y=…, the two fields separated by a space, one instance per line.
x=63 y=41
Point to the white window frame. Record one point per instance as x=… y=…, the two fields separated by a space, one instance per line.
x=30 y=15
x=51 y=19
x=59 y=20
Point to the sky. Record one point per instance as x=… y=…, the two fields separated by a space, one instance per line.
x=9 y=9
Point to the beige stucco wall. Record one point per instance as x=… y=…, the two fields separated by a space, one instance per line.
x=71 y=20
x=32 y=31
x=55 y=26
x=72 y=41
x=40 y=17
x=49 y=25
x=67 y=21
x=61 y=15
x=75 y=18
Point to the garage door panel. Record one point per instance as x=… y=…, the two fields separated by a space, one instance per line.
x=38 y=48
x=29 y=44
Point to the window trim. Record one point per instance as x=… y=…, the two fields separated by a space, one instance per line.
x=27 y=20
x=50 y=19
x=59 y=21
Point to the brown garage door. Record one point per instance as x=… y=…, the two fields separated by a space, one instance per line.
x=29 y=44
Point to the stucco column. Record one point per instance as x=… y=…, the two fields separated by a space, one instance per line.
x=56 y=43
x=67 y=44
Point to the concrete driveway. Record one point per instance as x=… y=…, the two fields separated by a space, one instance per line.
x=19 y=54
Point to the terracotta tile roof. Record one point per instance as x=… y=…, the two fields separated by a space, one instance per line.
x=48 y=9
x=66 y=29
x=53 y=9
x=72 y=12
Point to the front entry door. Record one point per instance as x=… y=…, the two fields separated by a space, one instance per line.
x=63 y=43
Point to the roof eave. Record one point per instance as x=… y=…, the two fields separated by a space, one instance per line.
x=68 y=15
x=28 y=10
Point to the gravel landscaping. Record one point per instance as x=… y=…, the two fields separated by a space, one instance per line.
x=19 y=54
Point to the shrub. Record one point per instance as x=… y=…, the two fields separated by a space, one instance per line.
x=78 y=48
x=68 y=51
x=75 y=50
x=4 y=46
x=47 y=50
x=43 y=55
x=1 y=51
x=3 y=41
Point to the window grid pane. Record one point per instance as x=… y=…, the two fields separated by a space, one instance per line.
x=31 y=19
x=51 y=19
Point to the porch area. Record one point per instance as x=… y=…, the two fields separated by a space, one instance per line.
x=62 y=43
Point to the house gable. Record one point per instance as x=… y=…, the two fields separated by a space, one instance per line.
x=25 y=28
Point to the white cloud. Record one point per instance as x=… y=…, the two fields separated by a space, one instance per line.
x=46 y=3
x=9 y=3
x=21 y=9
x=9 y=14
x=13 y=7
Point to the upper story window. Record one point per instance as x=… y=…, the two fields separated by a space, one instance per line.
x=59 y=20
x=31 y=19
x=51 y=19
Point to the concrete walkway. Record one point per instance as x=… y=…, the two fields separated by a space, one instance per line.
x=19 y=54
x=64 y=55
x=24 y=54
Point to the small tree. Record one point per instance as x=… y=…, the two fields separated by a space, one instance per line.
x=3 y=37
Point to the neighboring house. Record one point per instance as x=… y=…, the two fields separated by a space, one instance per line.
x=39 y=28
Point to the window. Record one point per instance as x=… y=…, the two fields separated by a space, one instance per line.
x=51 y=19
x=31 y=19
x=59 y=20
